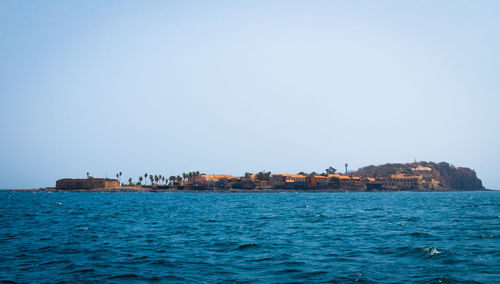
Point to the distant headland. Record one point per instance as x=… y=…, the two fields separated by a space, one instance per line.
x=416 y=176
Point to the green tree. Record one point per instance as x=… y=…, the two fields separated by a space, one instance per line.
x=172 y=179
x=140 y=180
x=331 y=171
x=130 y=181
x=263 y=175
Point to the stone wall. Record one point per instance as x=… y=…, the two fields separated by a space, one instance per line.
x=93 y=183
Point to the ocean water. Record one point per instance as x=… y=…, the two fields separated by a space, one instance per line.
x=249 y=237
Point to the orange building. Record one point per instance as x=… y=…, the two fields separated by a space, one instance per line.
x=345 y=181
x=317 y=181
x=211 y=179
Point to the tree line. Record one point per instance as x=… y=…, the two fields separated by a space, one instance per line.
x=163 y=180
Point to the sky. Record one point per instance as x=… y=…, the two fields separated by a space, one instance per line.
x=166 y=87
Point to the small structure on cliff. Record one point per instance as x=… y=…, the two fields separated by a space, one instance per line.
x=91 y=183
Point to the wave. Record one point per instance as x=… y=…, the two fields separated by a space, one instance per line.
x=430 y=251
x=122 y=276
x=419 y=234
x=247 y=246
x=416 y=252
x=260 y=259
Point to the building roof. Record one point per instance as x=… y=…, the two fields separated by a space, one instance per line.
x=421 y=168
x=320 y=177
x=87 y=179
x=289 y=175
x=403 y=176
x=218 y=176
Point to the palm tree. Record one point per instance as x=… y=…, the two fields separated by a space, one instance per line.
x=152 y=179
x=140 y=180
x=130 y=181
x=172 y=179
x=145 y=177
x=118 y=175
x=88 y=175
x=157 y=178
x=163 y=179
x=179 y=178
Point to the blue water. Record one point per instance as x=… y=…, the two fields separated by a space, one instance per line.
x=268 y=237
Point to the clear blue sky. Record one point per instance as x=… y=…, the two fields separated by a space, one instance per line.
x=167 y=87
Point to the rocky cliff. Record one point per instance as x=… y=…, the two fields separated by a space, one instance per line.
x=449 y=176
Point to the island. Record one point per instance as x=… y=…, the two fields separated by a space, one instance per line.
x=416 y=176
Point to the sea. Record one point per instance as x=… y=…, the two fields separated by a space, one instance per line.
x=394 y=237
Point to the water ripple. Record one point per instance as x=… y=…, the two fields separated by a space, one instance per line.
x=267 y=238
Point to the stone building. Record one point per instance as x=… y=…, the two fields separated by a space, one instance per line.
x=287 y=181
x=400 y=181
x=92 y=183
x=422 y=171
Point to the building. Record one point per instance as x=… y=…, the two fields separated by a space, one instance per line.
x=297 y=178
x=209 y=179
x=287 y=181
x=370 y=180
x=333 y=181
x=218 y=180
x=401 y=181
x=317 y=181
x=341 y=180
x=431 y=184
x=278 y=180
x=91 y=183
x=422 y=171
x=356 y=182
x=344 y=181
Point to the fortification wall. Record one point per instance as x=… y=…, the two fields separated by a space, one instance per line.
x=95 y=183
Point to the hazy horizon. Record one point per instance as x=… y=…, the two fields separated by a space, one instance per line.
x=167 y=87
